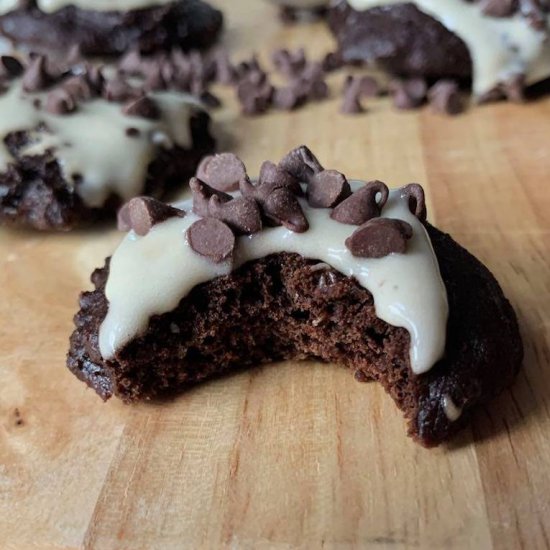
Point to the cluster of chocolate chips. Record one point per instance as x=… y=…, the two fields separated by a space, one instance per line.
x=305 y=81
x=191 y=72
x=72 y=82
x=195 y=72
x=274 y=200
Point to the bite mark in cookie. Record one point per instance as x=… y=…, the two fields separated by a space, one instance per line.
x=228 y=300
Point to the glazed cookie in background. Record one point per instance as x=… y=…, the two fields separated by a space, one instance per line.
x=76 y=144
x=110 y=27
x=498 y=46
x=302 y=263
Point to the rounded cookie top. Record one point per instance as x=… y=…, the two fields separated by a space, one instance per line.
x=361 y=229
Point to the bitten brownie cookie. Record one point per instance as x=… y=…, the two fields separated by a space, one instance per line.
x=110 y=27
x=502 y=46
x=75 y=144
x=301 y=263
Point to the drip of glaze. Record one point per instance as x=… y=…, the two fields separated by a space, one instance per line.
x=150 y=275
x=49 y=6
x=452 y=411
x=499 y=47
x=92 y=145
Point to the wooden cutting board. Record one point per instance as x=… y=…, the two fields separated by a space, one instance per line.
x=290 y=455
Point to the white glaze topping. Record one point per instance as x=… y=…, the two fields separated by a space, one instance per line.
x=499 y=47
x=92 y=142
x=150 y=275
x=452 y=411
x=50 y=6
x=8 y=5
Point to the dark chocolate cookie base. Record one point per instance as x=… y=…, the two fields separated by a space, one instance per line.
x=279 y=308
x=187 y=24
x=401 y=39
x=34 y=193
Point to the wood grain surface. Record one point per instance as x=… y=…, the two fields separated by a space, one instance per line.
x=290 y=455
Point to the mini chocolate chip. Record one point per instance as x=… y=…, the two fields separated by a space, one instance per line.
x=379 y=237
x=120 y=91
x=417 y=200
x=368 y=86
x=291 y=64
x=363 y=205
x=444 y=97
x=361 y=376
x=409 y=93
x=60 y=102
x=301 y=163
x=332 y=62
x=10 y=67
x=143 y=107
x=287 y=98
x=124 y=222
x=167 y=71
x=142 y=213
x=498 y=8
x=74 y=55
x=210 y=100
x=328 y=188
x=317 y=89
x=36 y=77
x=242 y=214
x=131 y=62
x=211 y=238
x=310 y=83
x=273 y=176
x=255 y=93
x=224 y=70
x=222 y=172
x=78 y=87
x=95 y=78
x=514 y=88
x=202 y=193
x=494 y=94
x=350 y=102
x=282 y=207
x=132 y=132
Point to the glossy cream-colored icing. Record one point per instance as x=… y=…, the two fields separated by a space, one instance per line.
x=50 y=6
x=150 y=275
x=499 y=47
x=92 y=143
x=451 y=410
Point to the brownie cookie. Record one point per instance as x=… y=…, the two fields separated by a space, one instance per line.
x=301 y=264
x=497 y=46
x=110 y=27
x=75 y=144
